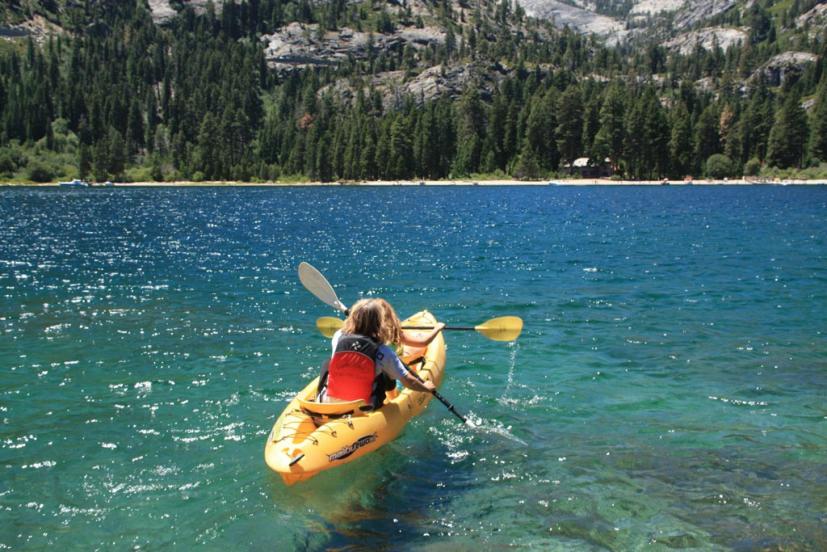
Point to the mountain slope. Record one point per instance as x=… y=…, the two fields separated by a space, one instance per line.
x=365 y=90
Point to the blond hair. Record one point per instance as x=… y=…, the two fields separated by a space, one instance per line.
x=374 y=318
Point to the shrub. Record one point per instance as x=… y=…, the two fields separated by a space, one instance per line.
x=39 y=172
x=527 y=167
x=752 y=167
x=157 y=172
x=7 y=162
x=719 y=166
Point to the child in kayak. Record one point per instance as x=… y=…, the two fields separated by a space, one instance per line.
x=364 y=363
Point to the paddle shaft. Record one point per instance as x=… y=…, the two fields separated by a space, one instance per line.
x=439 y=397
x=450 y=407
x=461 y=328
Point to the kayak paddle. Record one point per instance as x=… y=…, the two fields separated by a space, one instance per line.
x=318 y=285
x=505 y=328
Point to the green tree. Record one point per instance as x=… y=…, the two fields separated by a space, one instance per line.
x=707 y=133
x=788 y=136
x=324 y=165
x=680 y=142
x=84 y=161
x=117 y=153
x=470 y=125
x=657 y=135
x=401 y=151
x=367 y=164
x=207 y=151
x=539 y=152
x=818 y=148
x=757 y=122
x=610 y=139
x=569 y=129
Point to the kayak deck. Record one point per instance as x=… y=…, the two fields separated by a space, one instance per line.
x=302 y=444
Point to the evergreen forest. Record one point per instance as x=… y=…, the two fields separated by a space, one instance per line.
x=117 y=96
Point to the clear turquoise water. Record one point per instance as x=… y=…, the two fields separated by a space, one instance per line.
x=670 y=381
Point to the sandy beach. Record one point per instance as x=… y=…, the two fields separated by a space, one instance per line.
x=499 y=182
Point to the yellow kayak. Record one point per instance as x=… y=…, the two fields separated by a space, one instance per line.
x=309 y=437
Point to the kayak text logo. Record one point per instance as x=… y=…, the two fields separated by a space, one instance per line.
x=350 y=449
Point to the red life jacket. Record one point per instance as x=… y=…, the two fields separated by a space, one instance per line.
x=352 y=369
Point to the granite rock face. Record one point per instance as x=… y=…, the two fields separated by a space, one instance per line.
x=815 y=19
x=37 y=27
x=162 y=10
x=579 y=19
x=696 y=11
x=396 y=87
x=297 y=46
x=581 y=15
x=707 y=39
x=784 y=66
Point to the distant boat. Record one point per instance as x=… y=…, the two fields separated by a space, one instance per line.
x=74 y=183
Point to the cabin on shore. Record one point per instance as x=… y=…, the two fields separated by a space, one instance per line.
x=583 y=167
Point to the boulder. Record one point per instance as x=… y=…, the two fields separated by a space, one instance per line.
x=815 y=19
x=784 y=66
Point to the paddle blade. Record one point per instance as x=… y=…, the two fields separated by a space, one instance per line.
x=318 y=285
x=505 y=328
x=328 y=325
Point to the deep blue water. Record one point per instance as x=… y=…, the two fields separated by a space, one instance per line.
x=670 y=381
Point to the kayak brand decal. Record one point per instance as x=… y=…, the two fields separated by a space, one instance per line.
x=350 y=449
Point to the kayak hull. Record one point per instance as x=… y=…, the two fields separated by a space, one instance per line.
x=301 y=446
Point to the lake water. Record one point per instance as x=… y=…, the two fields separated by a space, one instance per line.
x=670 y=381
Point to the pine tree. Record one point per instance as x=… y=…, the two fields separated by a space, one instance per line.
x=569 y=129
x=207 y=149
x=367 y=163
x=591 y=125
x=707 y=134
x=818 y=147
x=539 y=153
x=496 y=132
x=383 y=150
x=680 y=143
x=788 y=136
x=135 y=128
x=634 y=151
x=470 y=130
x=610 y=139
x=401 y=152
x=84 y=161
x=324 y=164
x=657 y=135
x=758 y=120
x=117 y=153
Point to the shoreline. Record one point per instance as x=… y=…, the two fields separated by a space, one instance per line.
x=464 y=182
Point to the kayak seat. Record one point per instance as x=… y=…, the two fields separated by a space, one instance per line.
x=334 y=408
